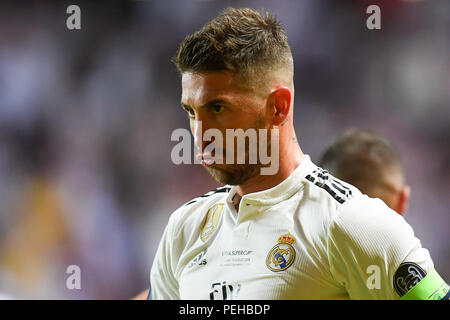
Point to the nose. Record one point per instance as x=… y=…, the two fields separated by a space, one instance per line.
x=198 y=128
x=197 y=132
x=201 y=140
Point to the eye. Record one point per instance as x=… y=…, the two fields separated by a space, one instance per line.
x=217 y=108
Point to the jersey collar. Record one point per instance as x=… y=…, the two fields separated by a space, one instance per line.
x=280 y=192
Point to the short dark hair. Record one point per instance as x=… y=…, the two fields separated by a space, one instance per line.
x=239 y=40
x=361 y=158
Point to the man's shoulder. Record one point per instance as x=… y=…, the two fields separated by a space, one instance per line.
x=365 y=222
x=347 y=210
x=324 y=189
x=194 y=211
x=366 y=211
x=213 y=195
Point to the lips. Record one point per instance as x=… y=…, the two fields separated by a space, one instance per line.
x=207 y=160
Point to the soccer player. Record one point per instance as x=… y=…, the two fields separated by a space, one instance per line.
x=299 y=233
x=370 y=163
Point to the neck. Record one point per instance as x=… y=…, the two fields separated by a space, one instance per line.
x=291 y=159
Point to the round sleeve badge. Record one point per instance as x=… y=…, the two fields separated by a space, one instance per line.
x=407 y=276
x=282 y=255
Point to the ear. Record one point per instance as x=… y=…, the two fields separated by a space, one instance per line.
x=403 y=200
x=281 y=100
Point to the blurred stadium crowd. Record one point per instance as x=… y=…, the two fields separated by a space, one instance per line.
x=86 y=116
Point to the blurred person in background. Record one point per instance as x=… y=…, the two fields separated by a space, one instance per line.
x=37 y=241
x=370 y=163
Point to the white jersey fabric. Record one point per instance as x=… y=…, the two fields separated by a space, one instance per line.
x=310 y=237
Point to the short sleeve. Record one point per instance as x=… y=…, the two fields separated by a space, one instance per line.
x=163 y=283
x=370 y=248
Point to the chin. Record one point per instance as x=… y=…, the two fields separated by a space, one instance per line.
x=234 y=175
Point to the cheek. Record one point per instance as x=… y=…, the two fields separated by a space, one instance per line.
x=257 y=114
x=246 y=119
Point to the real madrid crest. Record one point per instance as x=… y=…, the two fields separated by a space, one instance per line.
x=212 y=219
x=282 y=255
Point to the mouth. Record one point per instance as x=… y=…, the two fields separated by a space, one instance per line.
x=207 y=160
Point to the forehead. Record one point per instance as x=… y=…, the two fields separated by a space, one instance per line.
x=199 y=88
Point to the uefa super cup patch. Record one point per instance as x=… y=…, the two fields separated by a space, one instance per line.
x=407 y=276
x=282 y=255
x=212 y=219
x=412 y=283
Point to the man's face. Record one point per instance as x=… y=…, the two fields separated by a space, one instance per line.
x=219 y=100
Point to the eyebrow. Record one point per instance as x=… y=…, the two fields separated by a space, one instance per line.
x=209 y=104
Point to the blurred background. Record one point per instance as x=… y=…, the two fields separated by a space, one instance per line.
x=86 y=115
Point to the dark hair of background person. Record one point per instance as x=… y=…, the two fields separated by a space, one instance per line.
x=369 y=162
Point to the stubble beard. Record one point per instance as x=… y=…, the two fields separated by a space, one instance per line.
x=238 y=174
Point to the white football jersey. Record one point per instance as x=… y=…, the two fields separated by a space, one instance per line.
x=310 y=237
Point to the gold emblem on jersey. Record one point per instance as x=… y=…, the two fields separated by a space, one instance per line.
x=212 y=219
x=282 y=255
